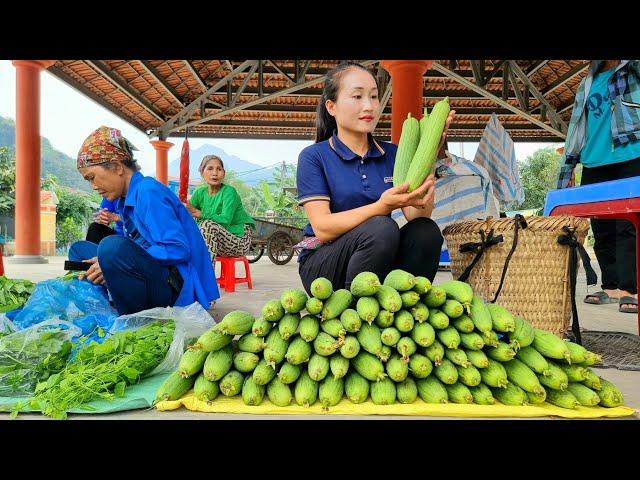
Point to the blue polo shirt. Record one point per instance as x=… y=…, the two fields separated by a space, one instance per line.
x=155 y=219
x=330 y=171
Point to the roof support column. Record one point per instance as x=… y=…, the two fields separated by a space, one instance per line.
x=406 y=91
x=27 y=212
x=162 y=159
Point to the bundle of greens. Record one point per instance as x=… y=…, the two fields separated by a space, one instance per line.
x=103 y=370
x=31 y=356
x=14 y=293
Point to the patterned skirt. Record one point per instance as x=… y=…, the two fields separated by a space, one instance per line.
x=221 y=241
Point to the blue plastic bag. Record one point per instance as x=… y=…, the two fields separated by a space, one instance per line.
x=76 y=301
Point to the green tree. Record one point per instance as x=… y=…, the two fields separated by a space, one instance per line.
x=74 y=205
x=539 y=174
x=277 y=195
x=67 y=232
x=232 y=179
x=7 y=180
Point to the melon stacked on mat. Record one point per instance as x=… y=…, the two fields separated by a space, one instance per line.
x=394 y=341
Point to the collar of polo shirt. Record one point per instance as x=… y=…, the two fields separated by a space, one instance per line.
x=375 y=150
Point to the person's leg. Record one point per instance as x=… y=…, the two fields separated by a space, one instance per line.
x=230 y=245
x=626 y=248
x=370 y=247
x=97 y=231
x=212 y=232
x=604 y=233
x=82 y=250
x=420 y=246
x=626 y=269
x=134 y=278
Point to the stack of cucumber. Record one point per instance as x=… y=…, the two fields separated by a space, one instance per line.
x=394 y=341
x=418 y=146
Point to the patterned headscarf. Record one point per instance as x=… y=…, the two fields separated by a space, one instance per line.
x=104 y=145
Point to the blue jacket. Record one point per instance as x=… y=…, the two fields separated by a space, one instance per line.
x=168 y=232
x=112 y=207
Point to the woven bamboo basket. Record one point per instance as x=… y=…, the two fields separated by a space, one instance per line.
x=536 y=285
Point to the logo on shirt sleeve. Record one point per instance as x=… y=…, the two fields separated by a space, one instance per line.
x=388 y=179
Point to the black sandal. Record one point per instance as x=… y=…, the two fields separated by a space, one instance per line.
x=599 y=298
x=627 y=300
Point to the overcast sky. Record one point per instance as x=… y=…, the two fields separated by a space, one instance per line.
x=68 y=116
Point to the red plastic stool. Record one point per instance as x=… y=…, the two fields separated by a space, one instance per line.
x=228 y=279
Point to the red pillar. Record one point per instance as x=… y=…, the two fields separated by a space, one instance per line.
x=406 y=91
x=162 y=159
x=28 y=160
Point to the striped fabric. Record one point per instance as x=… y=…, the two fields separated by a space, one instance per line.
x=497 y=155
x=463 y=191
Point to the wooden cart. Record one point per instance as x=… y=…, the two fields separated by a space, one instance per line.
x=277 y=236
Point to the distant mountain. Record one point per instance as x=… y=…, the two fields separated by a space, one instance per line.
x=53 y=161
x=231 y=163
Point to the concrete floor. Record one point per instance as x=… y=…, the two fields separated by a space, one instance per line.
x=269 y=280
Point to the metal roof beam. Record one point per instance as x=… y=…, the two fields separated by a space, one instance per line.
x=567 y=107
x=151 y=70
x=478 y=71
x=236 y=97
x=62 y=75
x=383 y=124
x=179 y=121
x=516 y=88
x=553 y=116
x=309 y=135
x=292 y=81
x=316 y=92
x=300 y=74
x=537 y=67
x=387 y=110
x=505 y=81
x=491 y=73
x=499 y=101
x=195 y=74
x=565 y=78
x=253 y=134
x=121 y=84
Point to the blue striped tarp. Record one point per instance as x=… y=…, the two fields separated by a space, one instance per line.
x=464 y=191
x=497 y=155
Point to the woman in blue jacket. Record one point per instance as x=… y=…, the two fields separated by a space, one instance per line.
x=161 y=259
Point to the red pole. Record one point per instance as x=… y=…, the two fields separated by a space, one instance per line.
x=27 y=210
x=406 y=91
x=162 y=159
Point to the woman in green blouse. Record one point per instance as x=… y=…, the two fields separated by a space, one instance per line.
x=224 y=223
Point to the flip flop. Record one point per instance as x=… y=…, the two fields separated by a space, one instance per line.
x=599 y=298
x=627 y=300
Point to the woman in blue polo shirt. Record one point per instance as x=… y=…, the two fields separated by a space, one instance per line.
x=161 y=260
x=345 y=184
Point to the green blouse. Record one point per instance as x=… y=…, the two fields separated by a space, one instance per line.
x=225 y=208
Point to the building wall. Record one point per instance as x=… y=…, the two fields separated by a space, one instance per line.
x=47 y=231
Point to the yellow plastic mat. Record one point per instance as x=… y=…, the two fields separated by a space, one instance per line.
x=345 y=407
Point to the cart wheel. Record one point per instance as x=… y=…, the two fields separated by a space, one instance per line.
x=255 y=253
x=280 y=248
